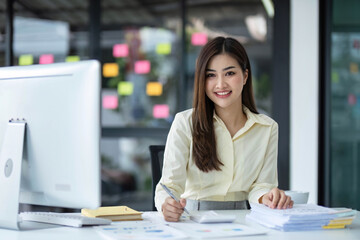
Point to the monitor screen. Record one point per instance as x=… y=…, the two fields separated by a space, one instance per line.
x=61 y=106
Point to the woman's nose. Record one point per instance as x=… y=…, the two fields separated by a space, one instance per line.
x=220 y=83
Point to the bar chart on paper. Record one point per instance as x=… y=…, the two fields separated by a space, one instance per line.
x=139 y=230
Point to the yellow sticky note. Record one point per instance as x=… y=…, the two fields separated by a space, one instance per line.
x=125 y=88
x=72 y=59
x=27 y=59
x=163 y=48
x=154 y=89
x=334 y=226
x=110 y=69
x=354 y=67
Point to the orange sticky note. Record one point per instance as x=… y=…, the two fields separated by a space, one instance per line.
x=161 y=111
x=142 y=67
x=26 y=59
x=110 y=102
x=199 y=39
x=125 y=88
x=354 y=67
x=46 y=59
x=154 y=89
x=120 y=50
x=110 y=69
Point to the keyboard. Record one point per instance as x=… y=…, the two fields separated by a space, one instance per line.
x=66 y=219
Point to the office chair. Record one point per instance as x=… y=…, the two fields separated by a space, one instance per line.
x=156 y=155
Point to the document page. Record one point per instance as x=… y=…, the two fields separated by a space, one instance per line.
x=139 y=230
x=155 y=227
x=298 y=211
x=216 y=230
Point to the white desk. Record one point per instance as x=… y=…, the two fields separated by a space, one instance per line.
x=87 y=233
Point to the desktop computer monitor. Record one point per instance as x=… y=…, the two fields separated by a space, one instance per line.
x=60 y=104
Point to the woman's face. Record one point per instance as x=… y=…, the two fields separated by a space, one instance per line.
x=224 y=81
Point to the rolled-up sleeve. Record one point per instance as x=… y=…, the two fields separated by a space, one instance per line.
x=267 y=178
x=176 y=158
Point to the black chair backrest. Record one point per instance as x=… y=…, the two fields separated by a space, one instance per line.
x=157 y=156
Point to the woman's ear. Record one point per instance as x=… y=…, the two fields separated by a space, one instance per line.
x=246 y=74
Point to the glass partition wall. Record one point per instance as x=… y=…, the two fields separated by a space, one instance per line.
x=147 y=50
x=340 y=108
x=345 y=119
x=345 y=105
x=247 y=22
x=48 y=32
x=141 y=48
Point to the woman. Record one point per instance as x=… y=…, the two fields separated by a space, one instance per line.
x=222 y=152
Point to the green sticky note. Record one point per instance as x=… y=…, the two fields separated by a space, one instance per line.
x=163 y=48
x=72 y=59
x=335 y=77
x=125 y=88
x=27 y=59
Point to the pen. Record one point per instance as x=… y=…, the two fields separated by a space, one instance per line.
x=173 y=196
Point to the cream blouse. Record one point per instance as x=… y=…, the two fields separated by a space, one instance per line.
x=249 y=158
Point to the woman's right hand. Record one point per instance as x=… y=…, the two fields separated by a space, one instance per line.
x=172 y=209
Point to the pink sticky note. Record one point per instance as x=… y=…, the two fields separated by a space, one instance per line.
x=120 y=50
x=356 y=44
x=199 y=39
x=351 y=99
x=142 y=67
x=161 y=111
x=46 y=59
x=110 y=102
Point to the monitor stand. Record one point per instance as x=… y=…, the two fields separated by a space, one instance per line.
x=11 y=156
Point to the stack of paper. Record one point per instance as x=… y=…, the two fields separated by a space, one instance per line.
x=118 y=213
x=343 y=217
x=300 y=217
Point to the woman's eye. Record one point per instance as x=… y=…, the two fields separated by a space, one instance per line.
x=208 y=75
x=229 y=73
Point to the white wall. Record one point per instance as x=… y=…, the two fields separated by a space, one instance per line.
x=304 y=81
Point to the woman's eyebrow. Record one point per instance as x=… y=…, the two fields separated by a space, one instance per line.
x=227 y=68
x=212 y=70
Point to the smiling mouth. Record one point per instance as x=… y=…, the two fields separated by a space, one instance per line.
x=223 y=94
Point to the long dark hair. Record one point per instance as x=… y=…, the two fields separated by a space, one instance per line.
x=204 y=143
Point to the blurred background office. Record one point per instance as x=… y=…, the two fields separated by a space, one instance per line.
x=305 y=56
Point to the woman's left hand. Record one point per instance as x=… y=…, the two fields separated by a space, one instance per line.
x=276 y=198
